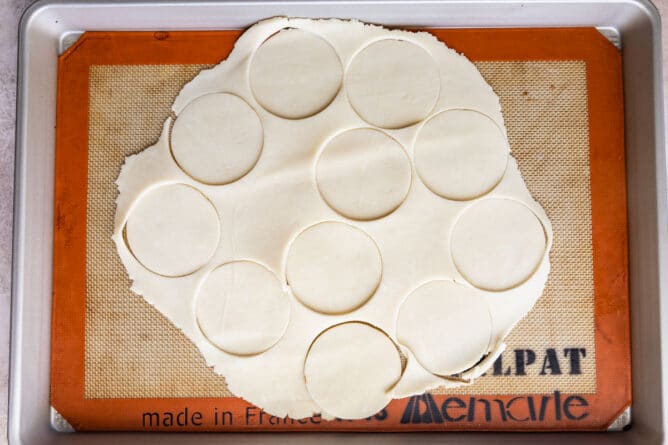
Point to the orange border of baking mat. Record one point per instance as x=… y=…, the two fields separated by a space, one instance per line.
x=430 y=413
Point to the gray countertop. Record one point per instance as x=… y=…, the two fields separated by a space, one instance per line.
x=10 y=12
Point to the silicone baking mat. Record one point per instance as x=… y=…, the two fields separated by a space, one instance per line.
x=118 y=364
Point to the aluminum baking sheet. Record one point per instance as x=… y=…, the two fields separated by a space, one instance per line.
x=49 y=26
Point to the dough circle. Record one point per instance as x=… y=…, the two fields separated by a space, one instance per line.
x=497 y=244
x=172 y=230
x=460 y=154
x=446 y=325
x=295 y=74
x=333 y=267
x=217 y=138
x=241 y=308
x=393 y=83
x=363 y=174
x=350 y=370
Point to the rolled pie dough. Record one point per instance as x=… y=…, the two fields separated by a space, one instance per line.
x=330 y=197
x=217 y=138
x=351 y=369
x=173 y=229
x=333 y=267
x=363 y=173
x=242 y=308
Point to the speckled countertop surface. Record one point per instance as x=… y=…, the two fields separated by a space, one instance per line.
x=10 y=12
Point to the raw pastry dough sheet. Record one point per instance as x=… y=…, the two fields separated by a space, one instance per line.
x=499 y=242
x=111 y=351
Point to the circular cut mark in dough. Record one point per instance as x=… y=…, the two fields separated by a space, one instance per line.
x=497 y=244
x=363 y=174
x=295 y=74
x=460 y=154
x=393 y=83
x=242 y=309
x=350 y=369
x=217 y=138
x=333 y=267
x=446 y=325
x=173 y=230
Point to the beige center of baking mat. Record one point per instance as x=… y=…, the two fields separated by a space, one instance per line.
x=132 y=351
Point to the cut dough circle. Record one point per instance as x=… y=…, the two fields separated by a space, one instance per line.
x=217 y=138
x=446 y=325
x=295 y=74
x=363 y=174
x=242 y=308
x=333 y=267
x=460 y=154
x=393 y=83
x=173 y=230
x=497 y=244
x=350 y=370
